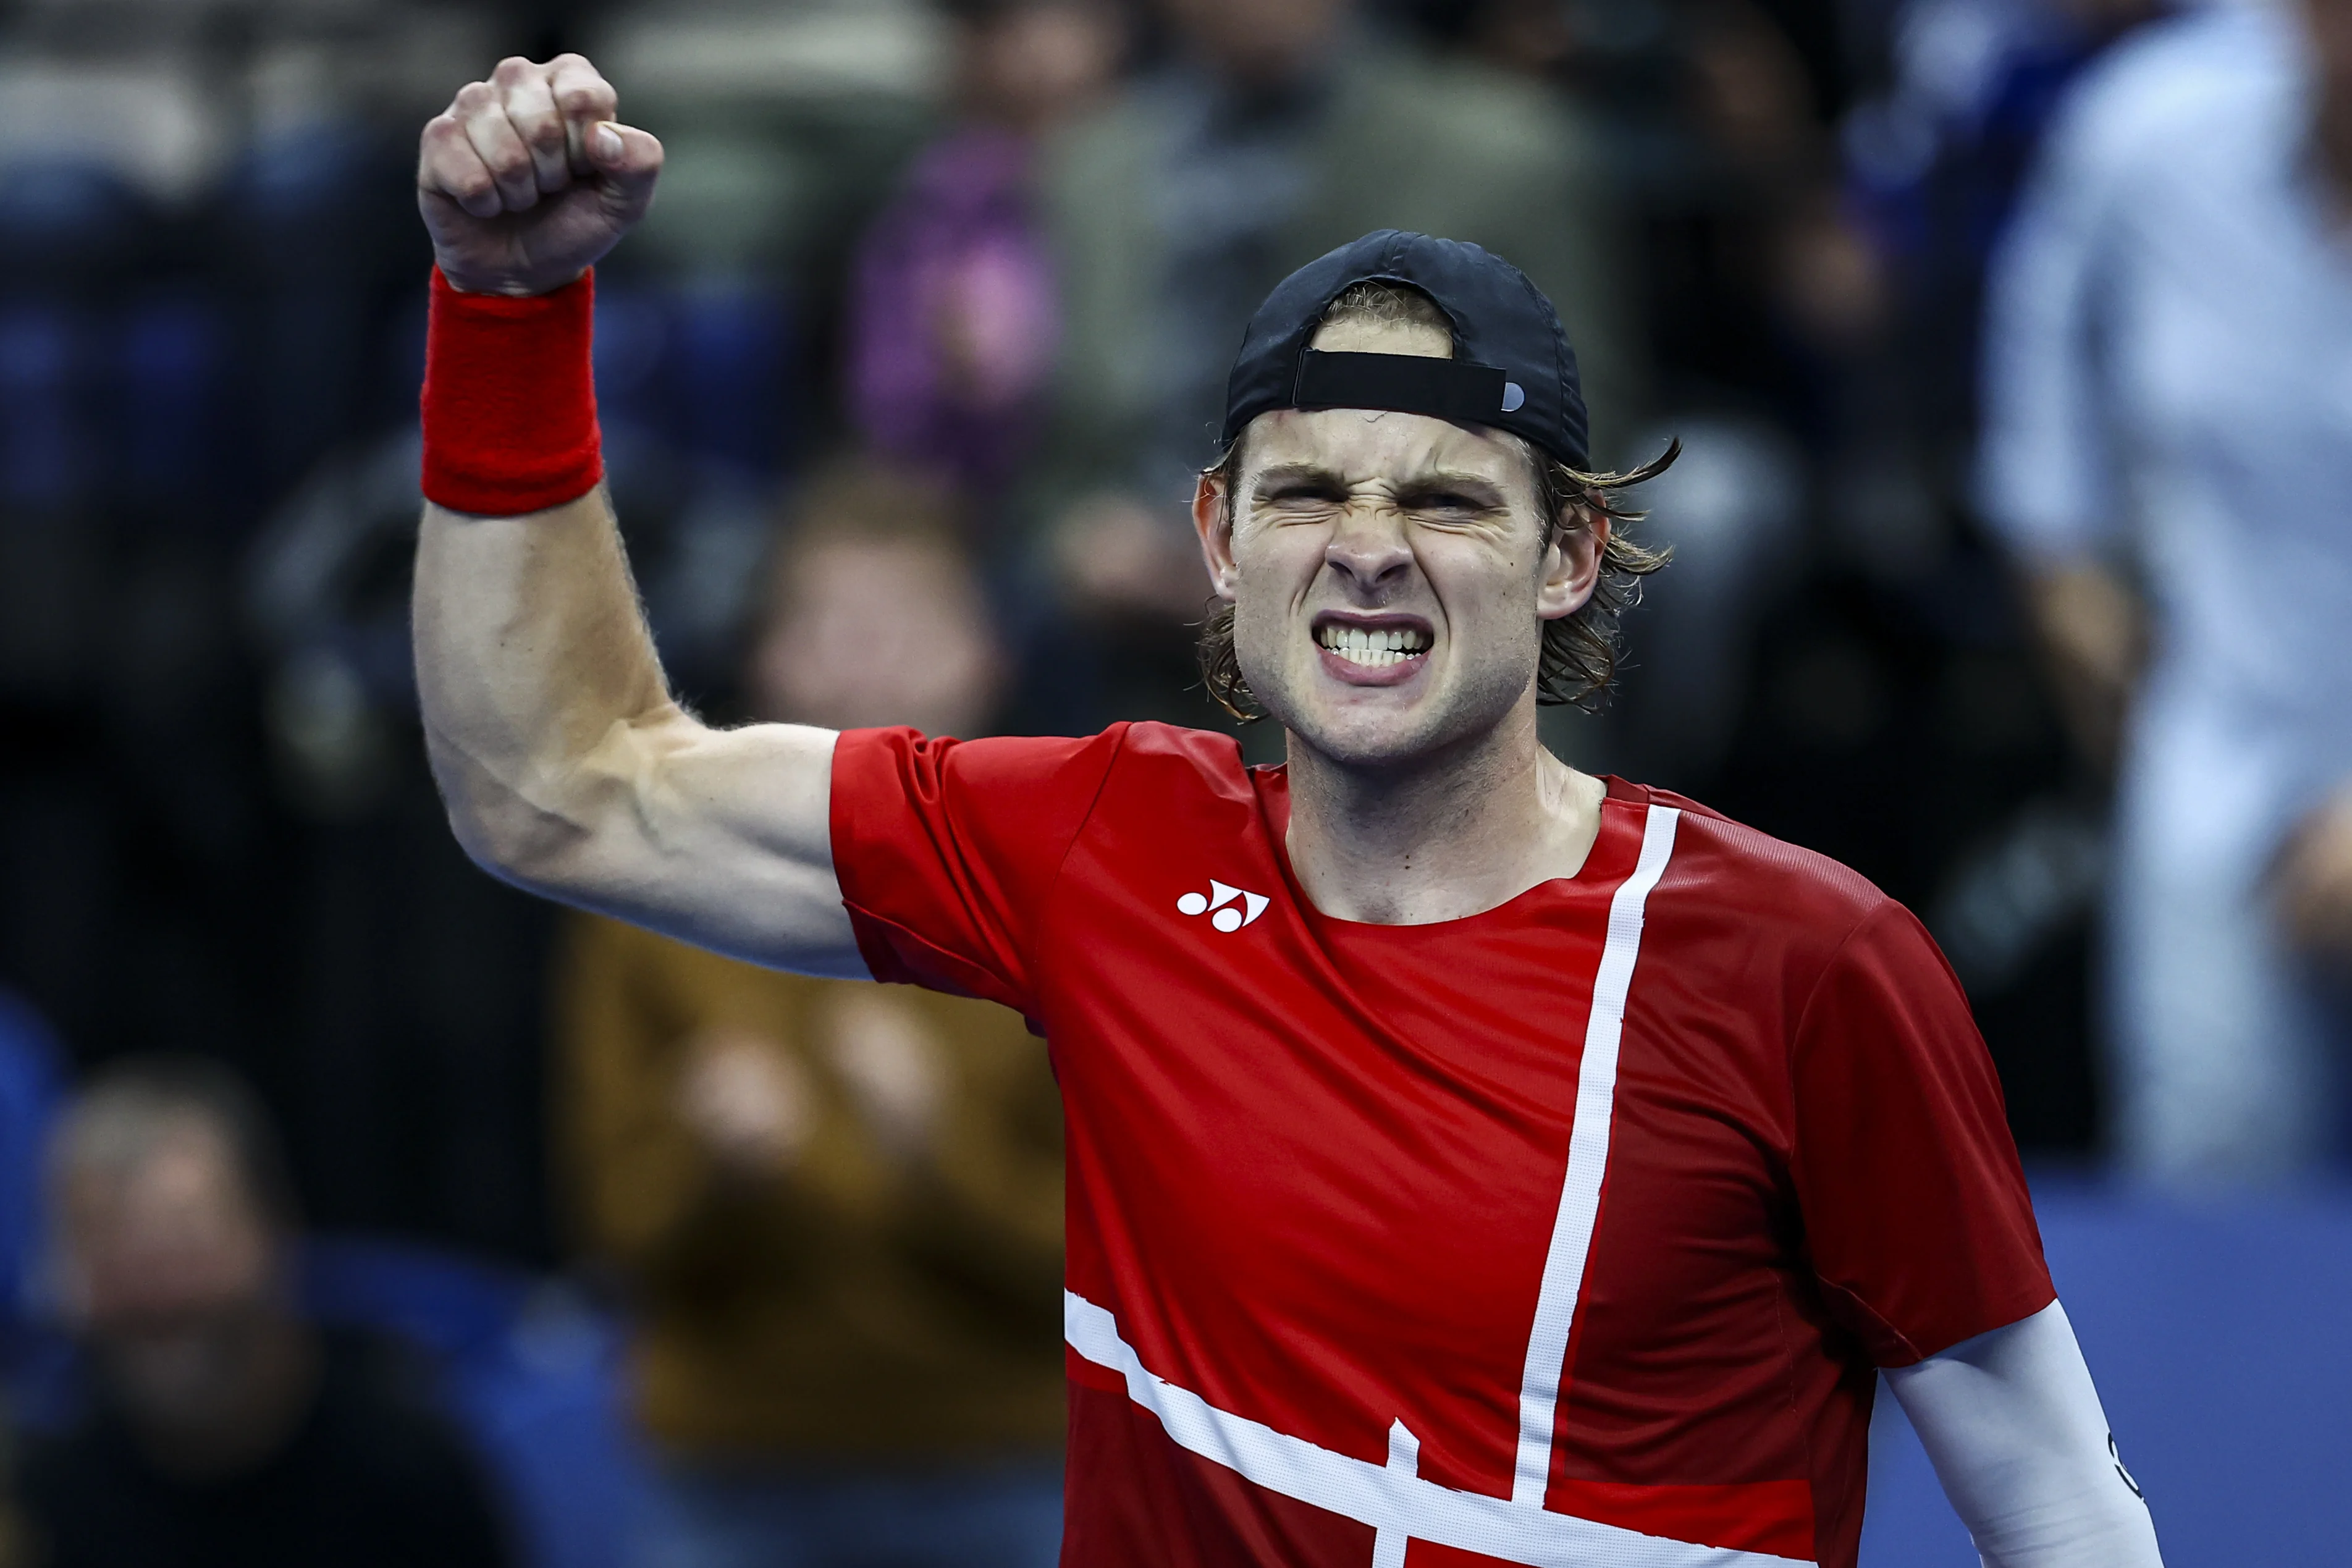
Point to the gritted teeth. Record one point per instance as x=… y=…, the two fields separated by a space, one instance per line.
x=1373 y=646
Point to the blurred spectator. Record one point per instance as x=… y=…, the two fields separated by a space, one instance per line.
x=1935 y=165
x=836 y=1209
x=2168 y=451
x=1277 y=130
x=227 y=1429
x=954 y=315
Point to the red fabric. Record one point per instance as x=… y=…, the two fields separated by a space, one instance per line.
x=509 y=402
x=1313 y=1165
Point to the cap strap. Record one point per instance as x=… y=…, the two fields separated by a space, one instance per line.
x=1449 y=389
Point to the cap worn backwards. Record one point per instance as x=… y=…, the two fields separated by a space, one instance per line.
x=1512 y=368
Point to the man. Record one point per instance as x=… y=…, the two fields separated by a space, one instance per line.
x=1273 y=131
x=1462 y=1150
x=836 y=1208
x=228 y=1430
x=2166 y=414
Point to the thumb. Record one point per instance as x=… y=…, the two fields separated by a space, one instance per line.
x=627 y=161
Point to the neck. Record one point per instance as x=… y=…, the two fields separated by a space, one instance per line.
x=1448 y=836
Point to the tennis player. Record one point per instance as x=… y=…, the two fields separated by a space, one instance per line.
x=1470 y=1160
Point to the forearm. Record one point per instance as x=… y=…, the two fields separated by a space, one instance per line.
x=2015 y=1430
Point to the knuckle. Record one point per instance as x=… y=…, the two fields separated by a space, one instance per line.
x=510 y=68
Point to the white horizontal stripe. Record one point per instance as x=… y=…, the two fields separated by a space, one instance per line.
x=1588 y=1161
x=1404 y=1460
x=1389 y=1498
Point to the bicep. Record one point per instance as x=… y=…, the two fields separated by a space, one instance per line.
x=718 y=837
x=2015 y=1430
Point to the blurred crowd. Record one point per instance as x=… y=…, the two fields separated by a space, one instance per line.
x=2007 y=342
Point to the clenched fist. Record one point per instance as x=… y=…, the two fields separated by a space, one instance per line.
x=526 y=180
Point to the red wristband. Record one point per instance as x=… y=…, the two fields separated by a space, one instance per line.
x=510 y=401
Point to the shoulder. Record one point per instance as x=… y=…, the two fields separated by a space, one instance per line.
x=1023 y=784
x=1734 y=897
x=2167 y=87
x=884 y=761
x=1719 y=860
x=1175 y=753
x=1166 y=773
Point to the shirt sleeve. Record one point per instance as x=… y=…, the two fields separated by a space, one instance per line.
x=1916 y=1212
x=947 y=850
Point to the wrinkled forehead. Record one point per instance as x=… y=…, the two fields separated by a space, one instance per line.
x=1368 y=445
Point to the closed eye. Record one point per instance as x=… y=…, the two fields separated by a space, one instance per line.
x=1454 y=500
x=1300 y=489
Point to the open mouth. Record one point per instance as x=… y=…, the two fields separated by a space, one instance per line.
x=1372 y=646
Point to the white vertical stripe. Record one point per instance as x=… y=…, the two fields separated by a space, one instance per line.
x=1588 y=1160
x=1404 y=1460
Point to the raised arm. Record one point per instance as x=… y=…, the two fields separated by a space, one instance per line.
x=567 y=766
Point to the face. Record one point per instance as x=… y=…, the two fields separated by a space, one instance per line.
x=169 y=1267
x=1389 y=574
x=1038 y=64
x=877 y=633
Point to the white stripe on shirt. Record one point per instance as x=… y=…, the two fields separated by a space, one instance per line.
x=1588 y=1161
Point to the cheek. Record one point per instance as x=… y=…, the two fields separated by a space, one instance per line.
x=1277 y=565
x=1481 y=582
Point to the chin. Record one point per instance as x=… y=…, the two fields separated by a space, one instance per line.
x=1391 y=728
x=1363 y=734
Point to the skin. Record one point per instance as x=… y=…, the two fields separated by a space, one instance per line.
x=568 y=768
x=175 y=1279
x=1419 y=790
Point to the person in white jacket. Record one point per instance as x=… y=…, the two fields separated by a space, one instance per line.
x=2168 y=451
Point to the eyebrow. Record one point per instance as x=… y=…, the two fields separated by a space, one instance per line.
x=1297 y=473
x=1477 y=485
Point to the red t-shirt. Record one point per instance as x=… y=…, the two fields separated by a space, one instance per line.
x=1572 y=1232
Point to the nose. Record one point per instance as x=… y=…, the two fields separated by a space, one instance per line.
x=1368 y=549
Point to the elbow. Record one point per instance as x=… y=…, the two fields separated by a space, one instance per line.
x=502 y=830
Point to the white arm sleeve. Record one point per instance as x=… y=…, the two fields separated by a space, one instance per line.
x=2014 y=1429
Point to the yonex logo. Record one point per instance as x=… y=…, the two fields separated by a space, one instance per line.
x=1224 y=900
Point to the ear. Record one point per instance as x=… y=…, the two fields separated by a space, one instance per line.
x=1211 y=519
x=1572 y=565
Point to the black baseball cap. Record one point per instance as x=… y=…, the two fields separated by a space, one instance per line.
x=1512 y=368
